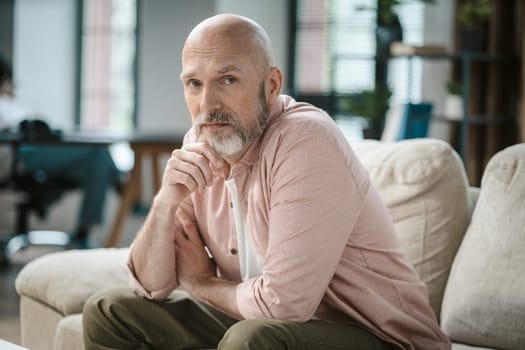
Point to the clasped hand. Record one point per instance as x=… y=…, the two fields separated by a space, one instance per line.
x=193 y=263
x=191 y=169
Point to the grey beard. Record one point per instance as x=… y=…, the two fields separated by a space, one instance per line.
x=242 y=134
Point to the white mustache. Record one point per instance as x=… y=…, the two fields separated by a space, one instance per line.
x=216 y=117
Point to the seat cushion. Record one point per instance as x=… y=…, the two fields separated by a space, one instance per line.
x=424 y=186
x=484 y=303
x=66 y=279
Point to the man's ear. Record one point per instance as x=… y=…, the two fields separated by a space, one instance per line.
x=274 y=81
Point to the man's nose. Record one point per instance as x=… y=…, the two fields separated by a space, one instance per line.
x=210 y=101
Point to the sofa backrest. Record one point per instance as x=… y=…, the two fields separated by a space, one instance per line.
x=484 y=302
x=424 y=186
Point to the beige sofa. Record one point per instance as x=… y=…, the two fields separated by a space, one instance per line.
x=474 y=268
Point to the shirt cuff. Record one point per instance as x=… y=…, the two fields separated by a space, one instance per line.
x=249 y=301
x=140 y=290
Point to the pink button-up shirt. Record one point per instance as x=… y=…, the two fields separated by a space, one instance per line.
x=324 y=237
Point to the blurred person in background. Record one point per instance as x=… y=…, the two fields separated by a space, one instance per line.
x=90 y=168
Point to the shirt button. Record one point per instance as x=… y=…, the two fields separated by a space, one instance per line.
x=233 y=251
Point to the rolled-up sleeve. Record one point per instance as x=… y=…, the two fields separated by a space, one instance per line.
x=159 y=294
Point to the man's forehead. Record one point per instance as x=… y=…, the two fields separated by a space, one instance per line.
x=218 y=57
x=217 y=60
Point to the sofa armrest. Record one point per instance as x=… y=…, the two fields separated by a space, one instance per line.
x=64 y=280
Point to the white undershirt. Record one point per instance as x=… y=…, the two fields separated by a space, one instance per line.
x=248 y=259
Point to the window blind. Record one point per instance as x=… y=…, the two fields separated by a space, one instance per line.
x=335 y=48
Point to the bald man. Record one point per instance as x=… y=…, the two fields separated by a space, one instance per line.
x=267 y=232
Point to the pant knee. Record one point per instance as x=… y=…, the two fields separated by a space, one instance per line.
x=102 y=306
x=252 y=334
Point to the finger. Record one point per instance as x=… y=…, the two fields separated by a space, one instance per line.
x=181 y=237
x=173 y=177
x=221 y=172
x=193 y=165
x=178 y=225
x=189 y=227
x=197 y=157
x=207 y=151
x=184 y=218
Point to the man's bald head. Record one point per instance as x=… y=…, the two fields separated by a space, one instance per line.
x=230 y=82
x=232 y=31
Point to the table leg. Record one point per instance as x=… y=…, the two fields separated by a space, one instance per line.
x=133 y=188
x=129 y=196
x=155 y=171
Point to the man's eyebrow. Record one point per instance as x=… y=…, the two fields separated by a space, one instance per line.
x=186 y=75
x=230 y=68
x=223 y=70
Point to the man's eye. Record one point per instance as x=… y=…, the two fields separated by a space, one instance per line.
x=229 y=80
x=193 y=83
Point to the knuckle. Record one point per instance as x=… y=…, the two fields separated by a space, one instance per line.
x=170 y=163
x=186 y=178
x=200 y=157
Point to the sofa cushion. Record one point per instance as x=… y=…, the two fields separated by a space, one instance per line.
x=69 y=334
x=424 y=186
x=484 y=303
x=65 y=280
x=38 y=323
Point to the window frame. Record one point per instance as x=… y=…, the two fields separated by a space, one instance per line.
x=79 y=64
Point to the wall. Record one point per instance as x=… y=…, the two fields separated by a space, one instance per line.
x=44 y=58
x=164 y=27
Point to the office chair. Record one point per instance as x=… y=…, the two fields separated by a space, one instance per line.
x=415 y=121
x=37 y=193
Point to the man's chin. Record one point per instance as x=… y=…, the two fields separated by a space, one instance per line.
x=227 y=147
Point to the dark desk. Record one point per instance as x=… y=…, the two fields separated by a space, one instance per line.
x=143 y=145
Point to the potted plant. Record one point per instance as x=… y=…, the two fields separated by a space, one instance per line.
x=371 y=105
x=453 y=108
x=473 y=17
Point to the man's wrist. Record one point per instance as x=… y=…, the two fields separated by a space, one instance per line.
x=171 y=195
x=216 y=292
x=199 y=287
x=162 y=202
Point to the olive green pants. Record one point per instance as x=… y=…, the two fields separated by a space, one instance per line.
x=118 y=319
